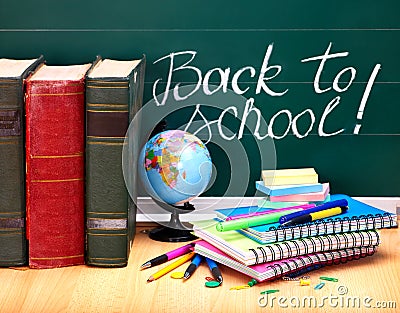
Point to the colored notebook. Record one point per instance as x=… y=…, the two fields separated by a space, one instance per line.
x=283 y=190
x=114 y=93
x=13 y=251
x=294 y=176
x=276 y=269
x=359 y=216
x=55 y=140
x=249 y=252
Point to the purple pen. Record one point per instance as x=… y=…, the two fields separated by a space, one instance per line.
x=300 y=207
x=168 y=256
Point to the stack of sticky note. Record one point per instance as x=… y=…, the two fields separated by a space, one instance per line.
x=292 y=185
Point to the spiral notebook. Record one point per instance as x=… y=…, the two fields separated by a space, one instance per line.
x=360 y=216
x=250 y=252
x=276 y=269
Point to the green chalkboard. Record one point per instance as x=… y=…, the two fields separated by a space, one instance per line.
x=323 y=75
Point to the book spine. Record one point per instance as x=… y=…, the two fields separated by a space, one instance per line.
x=55 y=172
x=110 y=210
x=13 y=250
x=12 y=204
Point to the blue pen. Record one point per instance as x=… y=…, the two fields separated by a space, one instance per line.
x=193 y=266
x=214 y=270
x=325 y=206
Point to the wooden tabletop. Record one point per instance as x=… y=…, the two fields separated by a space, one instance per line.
x=372 y=281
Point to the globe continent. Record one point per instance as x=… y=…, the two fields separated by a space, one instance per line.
x=175 y=167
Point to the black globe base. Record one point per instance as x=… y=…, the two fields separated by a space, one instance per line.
x=167 y=234
x=175 y=230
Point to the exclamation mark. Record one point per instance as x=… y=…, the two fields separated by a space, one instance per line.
x=364 y=99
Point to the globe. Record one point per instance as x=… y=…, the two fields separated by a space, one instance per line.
x=175 y=167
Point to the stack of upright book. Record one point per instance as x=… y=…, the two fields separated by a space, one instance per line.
x=269 y=251
x=63 y=199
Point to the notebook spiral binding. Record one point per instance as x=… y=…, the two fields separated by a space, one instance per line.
x=324 y=258
x=339 y=225
x=309 y=245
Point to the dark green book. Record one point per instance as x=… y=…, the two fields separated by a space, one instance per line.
x=114 y=93
x=13 y=245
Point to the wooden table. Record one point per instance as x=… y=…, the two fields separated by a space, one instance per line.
x=87 y=289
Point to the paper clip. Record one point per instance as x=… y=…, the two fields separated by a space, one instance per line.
x=267 y=292
x=329 y=278
x=208 y=278
x=319 y=286
x=239 y=287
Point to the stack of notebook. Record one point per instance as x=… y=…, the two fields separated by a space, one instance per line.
x=269 y=251
x=292 y=185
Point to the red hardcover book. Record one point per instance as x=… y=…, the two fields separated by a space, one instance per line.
x=55 y=143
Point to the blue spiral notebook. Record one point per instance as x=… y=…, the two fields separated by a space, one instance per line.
x=360 y=216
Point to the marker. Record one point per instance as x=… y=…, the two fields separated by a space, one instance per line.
x=214 y=270
x=170 y=267
x=315 y=216
x=252 y=221
x=168 y=256
x=327 y=205
x=193 y=266
x=303 y=207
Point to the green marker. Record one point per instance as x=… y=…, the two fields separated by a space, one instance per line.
x=253 y=221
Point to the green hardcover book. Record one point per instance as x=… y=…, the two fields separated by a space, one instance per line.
x=114 y=93
x=13 y=250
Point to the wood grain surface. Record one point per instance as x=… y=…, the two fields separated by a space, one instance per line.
x=374 y=281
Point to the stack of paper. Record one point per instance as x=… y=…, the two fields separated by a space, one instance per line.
x=292 y=185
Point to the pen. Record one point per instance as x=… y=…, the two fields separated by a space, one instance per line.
x=252 y=221
x=214 y=270
x=303 y=207
x=168 y=256
x=327 y=205
x=315 y=216
x=193 y=266
x=171 y=267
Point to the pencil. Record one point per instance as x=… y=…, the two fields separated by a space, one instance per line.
x=171 y=267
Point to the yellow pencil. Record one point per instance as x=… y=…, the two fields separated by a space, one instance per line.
x=171 y=267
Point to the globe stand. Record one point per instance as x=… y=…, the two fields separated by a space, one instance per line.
x=175 y=230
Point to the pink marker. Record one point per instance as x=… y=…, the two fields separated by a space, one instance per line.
x=169 y=256
x=299 y=207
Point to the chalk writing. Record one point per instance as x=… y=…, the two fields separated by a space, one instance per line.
x=262 y=76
